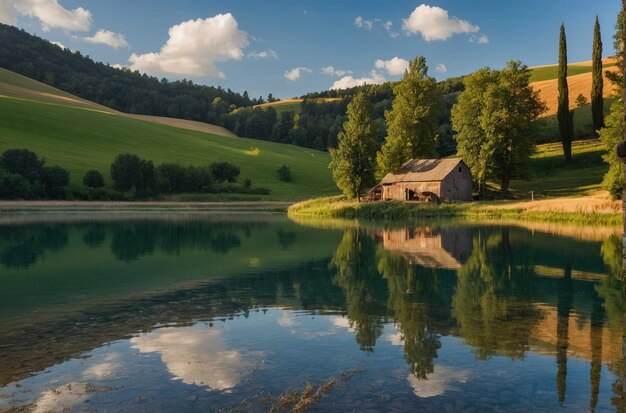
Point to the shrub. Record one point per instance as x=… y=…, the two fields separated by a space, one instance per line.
x=199 y=180
x=22 y=162
x=284 y=173
x=171 y=178
x=54 y=180
x=130 y=173
x=224 y=171
x=93 y=179
x=14 y=186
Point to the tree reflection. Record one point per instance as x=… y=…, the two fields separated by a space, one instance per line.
x=354 y=263
x=491 y=318
x=21 y=247
x=612 y=291
x=412 y=297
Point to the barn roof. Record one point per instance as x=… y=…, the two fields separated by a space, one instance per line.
x=423 y=170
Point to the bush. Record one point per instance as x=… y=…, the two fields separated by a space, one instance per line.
x=130 y=173
x=14 y=186
x=171 y=178
x=284 y=173
x=54 y=180
x=93 y=179
x=200 y=180
x=224 y=171
x=22 y=162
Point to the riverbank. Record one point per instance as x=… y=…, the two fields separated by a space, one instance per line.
x=139 y=206
x=592 y=209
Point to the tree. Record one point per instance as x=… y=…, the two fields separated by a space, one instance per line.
x=224 y=171
x=613 y=131
x=54 y=180
x=93 y=179
x=563 y=112
x=597 y=87
x=412 y=122
x=581 y=100
x=284 y=173
x=353 y=162
x=130 y=173
x=22 y=162
x=494 y=120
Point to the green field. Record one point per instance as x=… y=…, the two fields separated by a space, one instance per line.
x=80 y=139
x=548 y=127
x=549 y=177
x=537 y=74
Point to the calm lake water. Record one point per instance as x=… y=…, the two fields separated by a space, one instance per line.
x=192 y=312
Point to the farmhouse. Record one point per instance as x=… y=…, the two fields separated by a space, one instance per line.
x=426 y=180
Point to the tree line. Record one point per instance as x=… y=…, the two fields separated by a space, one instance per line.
x=494 y=121
x=23 y=175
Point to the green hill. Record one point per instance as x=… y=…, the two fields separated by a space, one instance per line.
x=67 y=132
x=540 y=73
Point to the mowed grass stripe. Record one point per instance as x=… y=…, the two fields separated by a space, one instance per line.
x=80 y=140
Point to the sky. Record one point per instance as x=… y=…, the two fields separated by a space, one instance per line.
x=291 y=47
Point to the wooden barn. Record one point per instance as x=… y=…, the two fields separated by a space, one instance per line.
x=426 y=180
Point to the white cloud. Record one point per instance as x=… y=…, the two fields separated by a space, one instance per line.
x=196 y=356
x=265 y=54
x=109 y=38
x=63 y=398
x=433 y=23
x=347 y=82
x=118 y=66
x=193 y=48
x=479 y=38
x=396 y=66
x=438 y=382
x=296 y=72
x=50 y=14
x=59 y=44
x=441 y=68
x=332 y=71
x=362 y=23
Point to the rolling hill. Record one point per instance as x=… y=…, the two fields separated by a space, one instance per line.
x=544 y=80
x=292 y=105
x=80 y=135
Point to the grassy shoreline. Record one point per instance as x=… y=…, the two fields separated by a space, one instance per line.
x=339 y=207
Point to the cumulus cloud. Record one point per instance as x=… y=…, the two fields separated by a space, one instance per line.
x=362 y=23
x=438 y=382
x=109 y=38
x=374 y=78
x=196 y=356
x=296 y=72
x=434 y=23
x=50 y=14
x=193 y=48
x=441 y=68
x=396 y=66
x=265 y=54
x=332 y=71
x=118 y=66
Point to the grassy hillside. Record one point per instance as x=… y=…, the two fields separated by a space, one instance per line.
x=549 y=177
x=292 y=105
x=583 y=127
x=541 y=73
x=80 y=139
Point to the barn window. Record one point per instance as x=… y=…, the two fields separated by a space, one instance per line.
x=460 y=169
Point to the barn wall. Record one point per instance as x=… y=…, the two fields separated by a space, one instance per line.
x=397 y=191
x=457 y=185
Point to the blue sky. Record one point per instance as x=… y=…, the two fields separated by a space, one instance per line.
x=255 y=46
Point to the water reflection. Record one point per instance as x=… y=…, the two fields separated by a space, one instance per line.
x=440 y=312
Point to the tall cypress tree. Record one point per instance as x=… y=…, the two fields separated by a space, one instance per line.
x=597 y=101
x=563 y=113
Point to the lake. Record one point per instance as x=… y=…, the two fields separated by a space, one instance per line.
x=200 y=312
